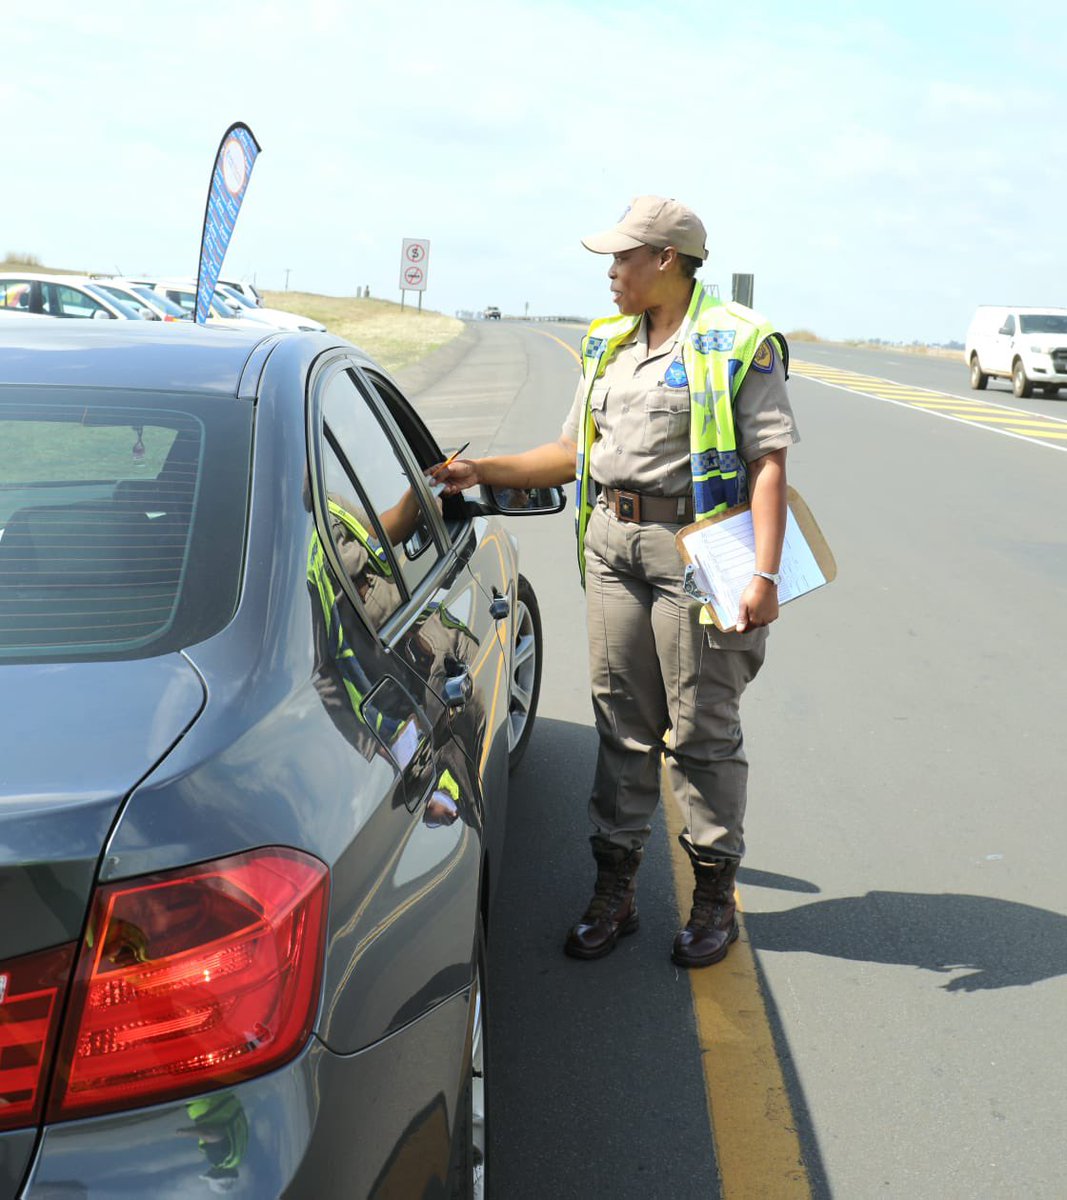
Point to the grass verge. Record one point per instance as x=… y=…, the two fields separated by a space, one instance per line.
x=392 y=337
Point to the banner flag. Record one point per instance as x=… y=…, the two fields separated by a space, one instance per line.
x=233 y=167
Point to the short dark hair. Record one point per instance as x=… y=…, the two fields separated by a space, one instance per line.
x=690 y=265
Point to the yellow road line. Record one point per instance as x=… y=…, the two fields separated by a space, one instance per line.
x=561 y=342
x=1018 y=423
x=756 y=1142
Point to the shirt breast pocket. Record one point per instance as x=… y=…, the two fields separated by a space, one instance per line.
x=598 y=403
x=667 y=412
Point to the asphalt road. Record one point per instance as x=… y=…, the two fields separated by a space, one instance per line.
x=904 y=888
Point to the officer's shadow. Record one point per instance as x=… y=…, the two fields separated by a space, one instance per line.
x=996 y=943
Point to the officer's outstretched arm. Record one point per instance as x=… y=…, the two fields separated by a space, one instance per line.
x=399 y=521
x=543 y=466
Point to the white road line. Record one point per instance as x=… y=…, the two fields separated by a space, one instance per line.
x=974 y=422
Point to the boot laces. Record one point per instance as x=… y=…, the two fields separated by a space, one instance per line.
x=610 y=890
x=712 y=903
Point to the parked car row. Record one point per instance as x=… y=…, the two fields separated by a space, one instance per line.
x=263 y=687
x=104 y=297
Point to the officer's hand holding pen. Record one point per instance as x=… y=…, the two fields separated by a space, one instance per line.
x=455 y=474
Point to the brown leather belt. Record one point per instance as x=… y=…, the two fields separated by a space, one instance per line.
x=636 y=506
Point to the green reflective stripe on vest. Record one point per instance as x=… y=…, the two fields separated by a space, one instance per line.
x=717 y=353
x=319 y=577
x=378 y=558
x=598 y=348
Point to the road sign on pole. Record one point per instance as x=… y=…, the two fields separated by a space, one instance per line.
x=414 y=264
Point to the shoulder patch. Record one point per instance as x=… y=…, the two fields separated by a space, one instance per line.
x=594 y=347
x=764 y=357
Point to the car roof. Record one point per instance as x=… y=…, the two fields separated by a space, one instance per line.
x=1023 y=309
x=149 y=356
x=139 y=355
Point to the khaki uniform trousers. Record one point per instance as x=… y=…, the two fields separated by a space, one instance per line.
x=663 y=689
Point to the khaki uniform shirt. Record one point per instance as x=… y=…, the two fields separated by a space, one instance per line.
x=641 y=409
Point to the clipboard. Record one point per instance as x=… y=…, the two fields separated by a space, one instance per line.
x=719 y=557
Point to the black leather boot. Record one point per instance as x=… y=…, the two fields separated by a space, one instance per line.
x=712 y=924
x=612 y=912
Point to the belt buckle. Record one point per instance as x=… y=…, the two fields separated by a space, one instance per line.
x=627 y=506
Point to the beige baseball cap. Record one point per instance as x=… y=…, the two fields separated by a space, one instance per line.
x=653 y=221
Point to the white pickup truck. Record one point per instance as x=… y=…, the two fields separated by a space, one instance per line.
x=1026 y=345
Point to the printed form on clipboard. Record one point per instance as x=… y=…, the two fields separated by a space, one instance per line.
x=720 y=555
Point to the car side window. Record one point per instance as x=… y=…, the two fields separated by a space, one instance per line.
x=406 y=528
x=15 y=293
x=62 y=301
x=1008 y=328
x=423 y=447
x=359 y=541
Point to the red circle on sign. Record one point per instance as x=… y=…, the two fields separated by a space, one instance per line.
x=415 y=252
x=413 y=275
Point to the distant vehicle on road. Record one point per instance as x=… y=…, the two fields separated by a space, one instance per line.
x=1026 y=345
x=492 y=313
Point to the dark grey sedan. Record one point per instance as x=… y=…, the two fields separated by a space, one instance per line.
x=261 y=688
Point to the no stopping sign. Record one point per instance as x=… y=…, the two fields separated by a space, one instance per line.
x=414 y=264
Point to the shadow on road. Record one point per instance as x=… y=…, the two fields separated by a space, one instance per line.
x=998 y=943
x=597 y=1088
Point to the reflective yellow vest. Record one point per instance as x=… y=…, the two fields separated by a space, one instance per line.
x=720 y=344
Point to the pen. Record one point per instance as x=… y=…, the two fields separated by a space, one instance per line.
x=455 y=454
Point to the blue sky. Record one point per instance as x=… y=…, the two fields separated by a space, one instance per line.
x=880 y=168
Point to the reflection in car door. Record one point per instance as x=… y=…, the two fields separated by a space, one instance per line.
x=416 y=926
x=465 y=602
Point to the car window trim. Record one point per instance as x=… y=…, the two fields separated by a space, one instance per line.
x=462 y=536
x=447 y=563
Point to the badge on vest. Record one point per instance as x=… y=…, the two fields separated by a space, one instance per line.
x=593 y=347
x=764 y=359
x=675 y=376
x=714 y=339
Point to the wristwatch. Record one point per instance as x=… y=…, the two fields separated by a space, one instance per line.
x=773 y=576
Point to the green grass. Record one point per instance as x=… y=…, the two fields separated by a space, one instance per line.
x=392 y=337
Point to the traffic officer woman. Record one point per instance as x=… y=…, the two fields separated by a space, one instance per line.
x=681 y=412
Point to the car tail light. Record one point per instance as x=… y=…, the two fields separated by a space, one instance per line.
x=193 y=979
x=31 y=999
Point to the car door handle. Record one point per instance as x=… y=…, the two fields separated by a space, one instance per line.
x=458 y=690
x=499 y=607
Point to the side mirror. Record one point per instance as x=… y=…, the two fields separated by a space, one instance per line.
x=523 y=502
x=102 y=315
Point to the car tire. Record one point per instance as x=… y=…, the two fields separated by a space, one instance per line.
x=470 y=1155
x=526 y=657
x=1020 y=385
x=979 y=378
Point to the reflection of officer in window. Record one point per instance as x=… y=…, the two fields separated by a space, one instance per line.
x=221 y=1129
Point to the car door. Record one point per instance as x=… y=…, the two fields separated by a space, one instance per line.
x=486 y=600
x=1003 y=346
x=416 y=932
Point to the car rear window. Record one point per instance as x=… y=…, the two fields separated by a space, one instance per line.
x=122 y=520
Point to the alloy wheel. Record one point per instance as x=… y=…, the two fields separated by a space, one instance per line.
x=523 y=674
